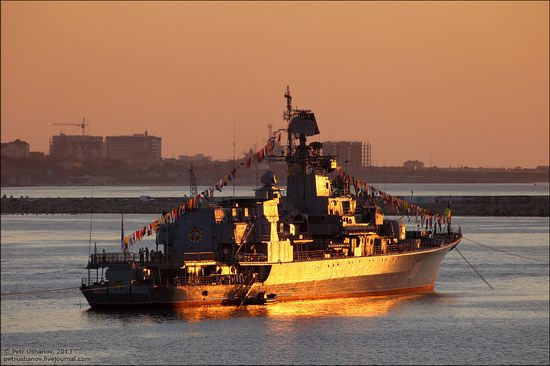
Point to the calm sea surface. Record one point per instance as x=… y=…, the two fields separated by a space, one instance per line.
x=462 y=322
x=399 y=189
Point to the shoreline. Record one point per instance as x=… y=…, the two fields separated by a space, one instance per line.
x=516 y=205
x=83 y=185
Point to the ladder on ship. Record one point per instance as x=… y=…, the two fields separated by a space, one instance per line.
x=246 y=286
x=246 y=234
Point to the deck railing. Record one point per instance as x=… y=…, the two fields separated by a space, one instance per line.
x=251 y=257
x=117 y=258
x=86 y=282
x=100 y=258
x=414 y=245
x=214 y=279
x=199 y=257
x=314 y=255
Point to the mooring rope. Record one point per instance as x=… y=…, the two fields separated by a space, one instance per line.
x=60 y=289
x=474 y=269
x=503 y=251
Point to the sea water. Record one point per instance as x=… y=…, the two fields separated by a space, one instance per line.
x=462 y=322
x=397 y=189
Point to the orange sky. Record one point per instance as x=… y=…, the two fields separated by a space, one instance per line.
x=454 y=83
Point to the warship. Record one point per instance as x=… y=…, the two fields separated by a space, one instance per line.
x=316 y=240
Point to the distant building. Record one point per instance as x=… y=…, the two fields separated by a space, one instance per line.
x=195 y=158
x=70 y=165
x=135 y=147
x=36 y=155
x=76 y=147
x=356 y=153
x=15 y=149
x=413 y=164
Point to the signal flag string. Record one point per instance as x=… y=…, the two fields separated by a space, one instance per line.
x=191 y=203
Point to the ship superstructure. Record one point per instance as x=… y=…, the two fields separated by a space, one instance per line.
x=317 y=241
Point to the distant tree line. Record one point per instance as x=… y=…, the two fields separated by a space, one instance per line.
x=39 y=170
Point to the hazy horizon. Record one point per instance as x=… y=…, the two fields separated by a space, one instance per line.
x=446 y=83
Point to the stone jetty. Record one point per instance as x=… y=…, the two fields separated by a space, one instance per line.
x=461 y=205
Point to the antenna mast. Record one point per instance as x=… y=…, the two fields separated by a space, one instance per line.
x=234 y=159
x=288 y=116
x=288 y=112
x=193 y=192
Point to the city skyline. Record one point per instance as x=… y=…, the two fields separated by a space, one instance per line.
x=201 y=156
x=448 y=84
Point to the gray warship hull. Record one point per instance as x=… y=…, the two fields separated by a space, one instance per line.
x=392 y=274
x=319 y=240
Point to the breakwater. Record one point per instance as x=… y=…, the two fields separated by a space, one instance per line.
x=461 y=205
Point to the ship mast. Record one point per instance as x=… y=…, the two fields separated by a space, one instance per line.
x=287 y=116
x=301 y=124
x=193 y=192
x=288 y=97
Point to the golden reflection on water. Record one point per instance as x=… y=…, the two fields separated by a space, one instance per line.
x=365 y=307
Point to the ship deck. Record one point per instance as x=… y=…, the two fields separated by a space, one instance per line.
x=99 y=260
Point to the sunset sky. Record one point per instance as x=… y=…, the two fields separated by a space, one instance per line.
x=447 y=83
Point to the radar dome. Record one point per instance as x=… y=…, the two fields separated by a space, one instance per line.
x=268 y=178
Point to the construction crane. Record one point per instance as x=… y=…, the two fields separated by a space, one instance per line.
x=80 y=125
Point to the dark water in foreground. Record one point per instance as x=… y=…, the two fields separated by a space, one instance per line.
x=462 y=322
